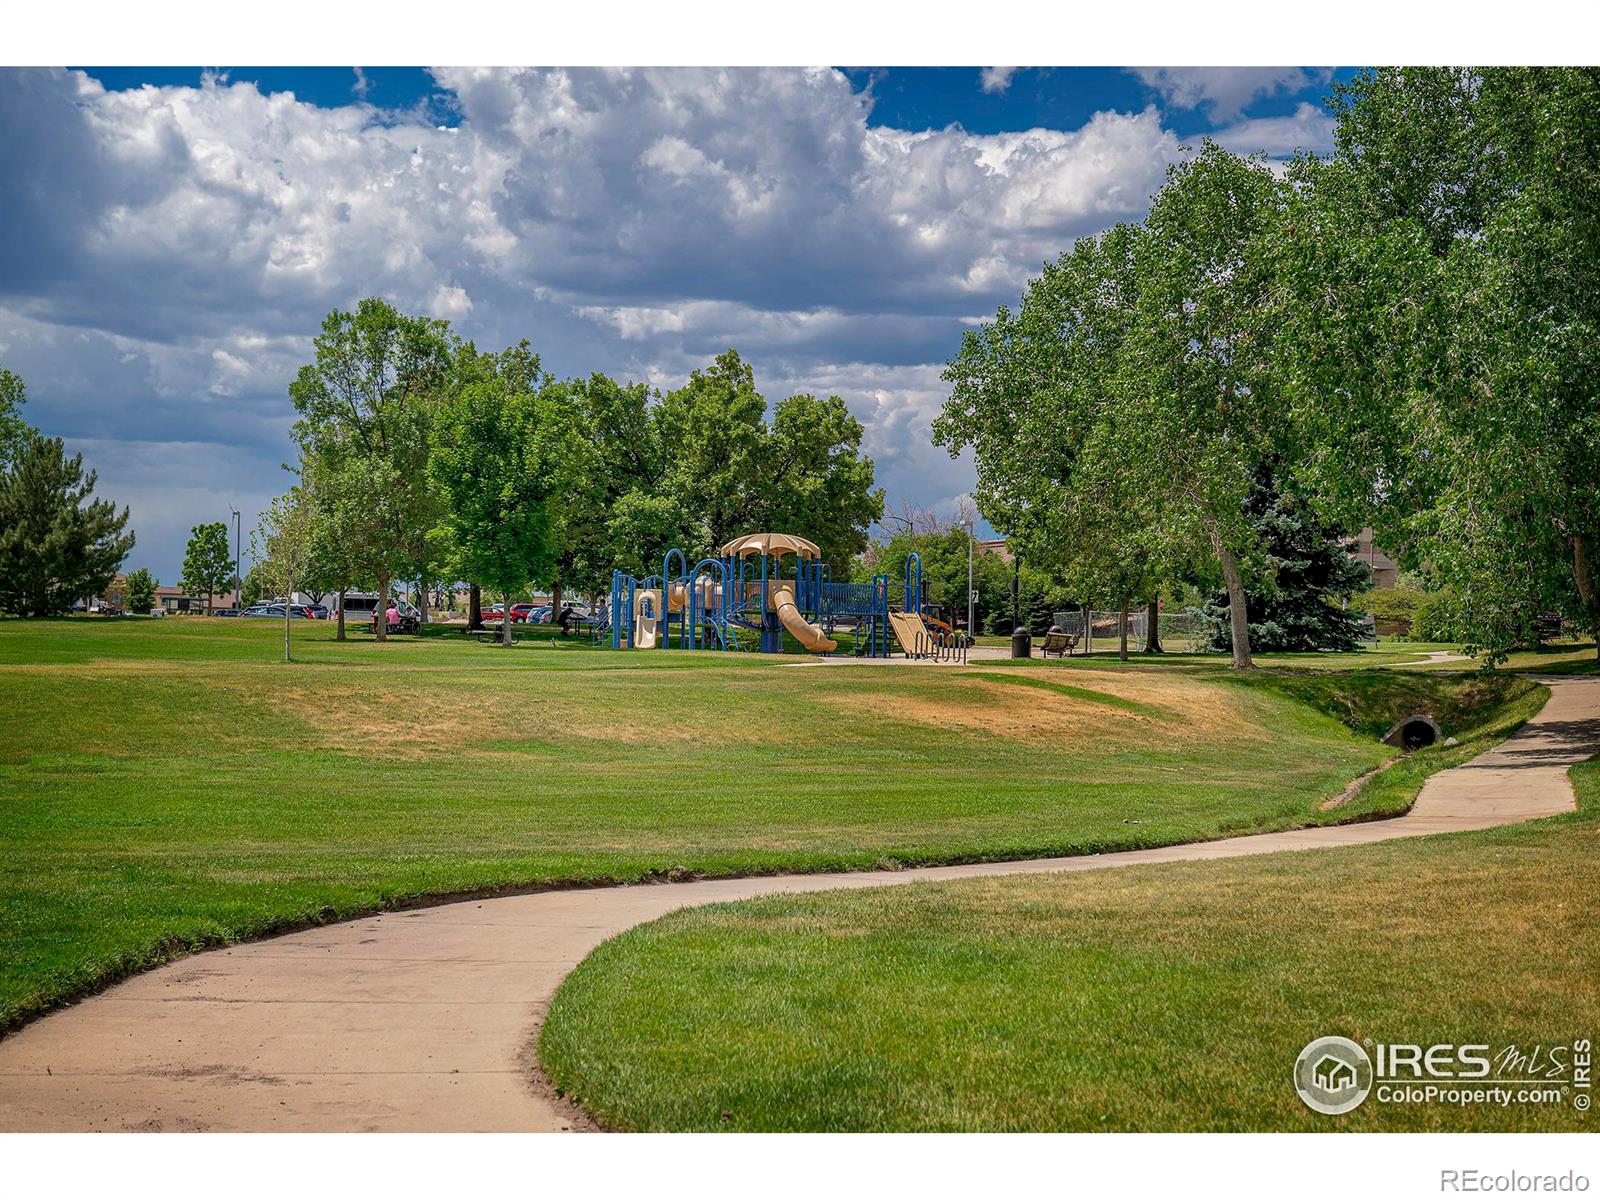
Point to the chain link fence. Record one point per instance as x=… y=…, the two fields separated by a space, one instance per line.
x=1180 y=630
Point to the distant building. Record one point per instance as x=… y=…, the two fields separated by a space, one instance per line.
x=995 y=546
x=1385 y=571
x=176 y=600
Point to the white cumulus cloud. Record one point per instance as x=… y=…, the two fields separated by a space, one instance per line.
x=166 y=254
x=1224 y=91
x=996 y=79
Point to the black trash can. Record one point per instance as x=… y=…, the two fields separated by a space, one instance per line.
x=1021 y=642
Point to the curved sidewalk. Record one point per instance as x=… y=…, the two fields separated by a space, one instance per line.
x=425 y=1020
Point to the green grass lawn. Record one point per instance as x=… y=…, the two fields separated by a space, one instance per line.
x=1385 y=654
x=168 y=784
x=1172 y=997
x=1565 y=657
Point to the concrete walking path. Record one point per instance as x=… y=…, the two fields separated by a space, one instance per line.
x=426 y=1019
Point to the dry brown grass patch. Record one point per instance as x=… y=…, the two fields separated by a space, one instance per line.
x=1183 y=711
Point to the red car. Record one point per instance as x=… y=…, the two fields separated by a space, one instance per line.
x=520 y=612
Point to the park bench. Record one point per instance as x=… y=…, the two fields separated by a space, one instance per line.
x=1058 y=644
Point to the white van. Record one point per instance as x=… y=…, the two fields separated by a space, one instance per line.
x=358 y=606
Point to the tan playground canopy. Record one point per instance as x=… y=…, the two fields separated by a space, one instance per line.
x=771 y=544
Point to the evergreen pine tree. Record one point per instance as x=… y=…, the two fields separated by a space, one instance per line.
x=1309 y=573
x=57 y=543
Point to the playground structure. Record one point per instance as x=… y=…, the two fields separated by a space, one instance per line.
x=761 y=586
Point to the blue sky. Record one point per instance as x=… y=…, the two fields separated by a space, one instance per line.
x=903 y=97
x=174 y=235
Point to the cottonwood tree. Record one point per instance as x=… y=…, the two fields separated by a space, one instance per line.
x=503 y=459
x=58 y=544
x=207 y=561
x=366 y=404
x=735 y=471
x=1045 y=396
x=1199 y=405
x=1442 y=310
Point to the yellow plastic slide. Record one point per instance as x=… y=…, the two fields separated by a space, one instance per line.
x=807 y=634
x=911 y=633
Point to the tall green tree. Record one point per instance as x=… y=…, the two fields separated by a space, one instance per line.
x=621 y=467
x=503 y=460
x=712 y=431
x=14 y=431
x=1201 y=407
x=814 y=478
x=207 y=561
x=706 y=464
x=1443 y=313
x=366 y=406
x=1119 y=418
x=254 y=588
x=58 y=544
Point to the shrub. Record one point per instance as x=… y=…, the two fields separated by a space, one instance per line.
x=1436 y=619
x=1393 y=610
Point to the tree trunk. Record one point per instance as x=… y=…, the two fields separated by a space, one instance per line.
x=474 y=607
x=339 y=636
x=1152 y=627
x=1238 y=615
x=1583 y=572
x=208 y=598
x=505 y=619
x=555 y=602
x=288 y=615
x=1122 y=630
x=422 y=602
x=1016 y=591
x=380 y=615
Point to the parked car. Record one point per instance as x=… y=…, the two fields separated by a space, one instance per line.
x=298 y=612
x=225 y=612
x=316 y=612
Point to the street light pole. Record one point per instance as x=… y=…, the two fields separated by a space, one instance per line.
x=238 y=584
x=971 y=637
